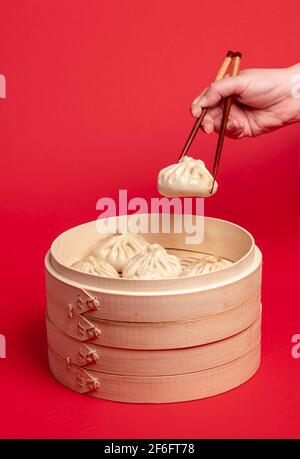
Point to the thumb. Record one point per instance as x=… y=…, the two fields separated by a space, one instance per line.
x=212 y=95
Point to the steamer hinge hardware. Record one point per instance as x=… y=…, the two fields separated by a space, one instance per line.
x=87 y=329
x=83 y=305
x=87 y=355
x=86 y=381
x=76 y=310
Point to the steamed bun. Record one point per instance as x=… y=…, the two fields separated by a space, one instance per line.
x=204 y=265
x=188 y=177
x=97 y=266
x=153 y=263
x=118 y=248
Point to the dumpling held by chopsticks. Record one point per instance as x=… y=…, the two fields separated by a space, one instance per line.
x=188 y=177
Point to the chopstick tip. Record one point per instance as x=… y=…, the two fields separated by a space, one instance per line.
x=230 y=54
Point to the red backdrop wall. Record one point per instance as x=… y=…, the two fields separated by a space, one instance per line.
x=98 y=97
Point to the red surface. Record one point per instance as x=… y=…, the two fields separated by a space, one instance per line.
x=98 y=98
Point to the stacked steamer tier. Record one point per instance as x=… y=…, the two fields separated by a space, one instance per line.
x=155 y=341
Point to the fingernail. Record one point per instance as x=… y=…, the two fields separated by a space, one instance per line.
x=196 y=111
x=201 y=100
x=208 y=128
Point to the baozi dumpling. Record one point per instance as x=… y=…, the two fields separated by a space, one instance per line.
x=188 y=177
x=102 y=267
x=84 y=266
x=96 y=265
x=204 y=265
x=118 y=248
x=153 y=263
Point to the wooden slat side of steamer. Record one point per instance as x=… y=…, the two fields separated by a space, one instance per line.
x=157 y=335
x=152 y=363
x=156 y=389
x=154 y=307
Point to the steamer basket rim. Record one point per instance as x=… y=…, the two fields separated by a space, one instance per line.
x=183 y=291
x=122 y=284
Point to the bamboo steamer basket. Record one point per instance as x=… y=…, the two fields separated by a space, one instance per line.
x=157 y=335
x=152 y=363
x=156 y=389
x=135 y=320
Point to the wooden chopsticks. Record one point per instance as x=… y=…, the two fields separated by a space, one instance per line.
x=226 y=111
x=219 y=76
x=235 y=59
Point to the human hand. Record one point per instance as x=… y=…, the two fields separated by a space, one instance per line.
x=264 y=100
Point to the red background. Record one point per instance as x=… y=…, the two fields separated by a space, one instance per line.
x=98 y=97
